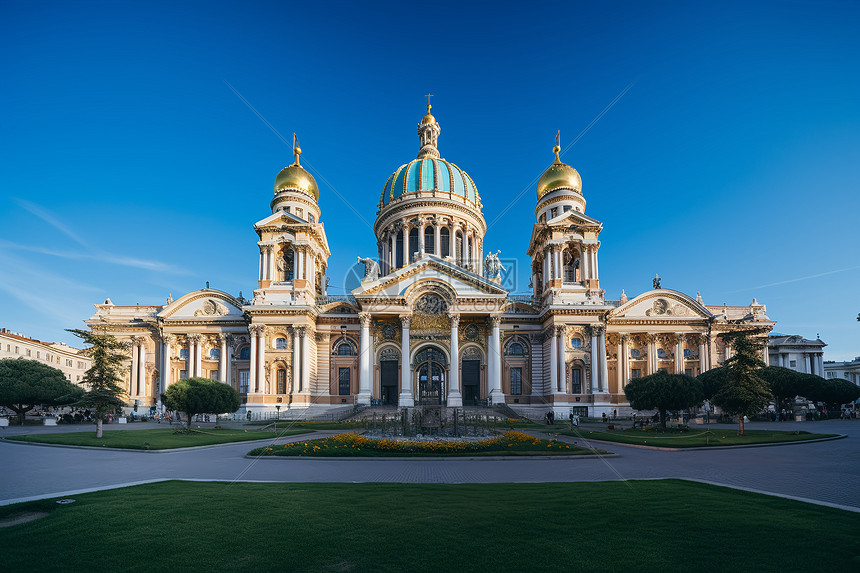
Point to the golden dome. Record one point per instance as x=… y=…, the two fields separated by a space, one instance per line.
x=429 y=117
x=558 y=176
x=295 y=177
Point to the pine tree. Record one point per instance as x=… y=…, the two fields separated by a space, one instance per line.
x=746 y=392
x=104 y=393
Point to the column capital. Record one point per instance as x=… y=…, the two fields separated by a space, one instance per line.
x=364 y=319
x=455 y=319
x=559 y=329
x=168 y=339
x=405 y=320
x=496 y=320
x=256 y=329
x=301 y=331
x=193 y=338
x=597 y=329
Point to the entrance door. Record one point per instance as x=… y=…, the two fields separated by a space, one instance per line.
x=471 y=381
x=343 y=381
x=431 y=379
x=388 y=382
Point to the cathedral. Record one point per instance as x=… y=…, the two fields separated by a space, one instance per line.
x=430 y=323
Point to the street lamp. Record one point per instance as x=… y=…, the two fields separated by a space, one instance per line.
x=278 y=409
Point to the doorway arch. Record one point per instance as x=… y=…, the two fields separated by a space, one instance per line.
x=430 y=366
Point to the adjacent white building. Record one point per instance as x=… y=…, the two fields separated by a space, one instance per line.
x=846 y=370
x=56 y=354
x=797 y=353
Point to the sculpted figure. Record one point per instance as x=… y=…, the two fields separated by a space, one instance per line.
x=492 y=266
x=371 y=268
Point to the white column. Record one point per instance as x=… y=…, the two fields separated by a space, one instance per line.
x=364 y=371
x=297 y=361
x=165 y=363
x=222 y=359
x=619 y=364
x=596 y=265
x=261 y=357
x=135 y=365
x=496 y=395
x=821 y=365
x=679 y=354
x=562 y=362
x=141 y=369
x=556 y=260
x=392 y=256
x=406 y=398
x=260 y=267
x=198 y=356
x=652 y=355
x=305 y=334
x=595 y=362
x=421 y=227
x=584 y=266
x=702 y=356
x=624 y=362
x=189 y=359
x=604 y=367
x=252 y=374
x=227 y=363
x=437 y=242
x=553 y=363
x=406 y=256
x=455 y=398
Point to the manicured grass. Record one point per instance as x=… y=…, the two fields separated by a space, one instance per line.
x=696 y=437
x=641 y=526
x=156 y=439
x=353 y=445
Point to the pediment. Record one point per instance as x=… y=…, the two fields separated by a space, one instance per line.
x=661 y=304
x=203 y=304
x=574 y=217
x=282 y=217
x=431 y=273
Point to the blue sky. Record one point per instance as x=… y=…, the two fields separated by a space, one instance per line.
x=729 y=164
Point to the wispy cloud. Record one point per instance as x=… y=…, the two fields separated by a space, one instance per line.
x=797 y=279
x=89 y=252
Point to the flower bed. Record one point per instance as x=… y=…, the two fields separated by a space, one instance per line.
x=352 y=444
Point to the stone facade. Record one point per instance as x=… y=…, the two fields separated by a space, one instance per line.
x=430 y=322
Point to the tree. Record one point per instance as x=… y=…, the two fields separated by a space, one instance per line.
x=663 y=392
x=200 y=396
x=746 y=393
x=104 y=393
x=785 y=384
x=25 y=384
x=713 y=381
x=834 y=393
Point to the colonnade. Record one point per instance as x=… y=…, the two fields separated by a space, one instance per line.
x=469 y=254
x=553 y=267
x=305 y=263
x=806 y=362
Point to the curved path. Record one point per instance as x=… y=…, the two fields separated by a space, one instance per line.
x=824 y=472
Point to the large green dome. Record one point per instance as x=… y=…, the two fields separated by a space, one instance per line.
x=430 y=174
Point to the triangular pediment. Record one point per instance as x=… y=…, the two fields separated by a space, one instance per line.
x=203 y=304
x=429 y=271
x=661 y=304
x=574 y=217
x=281 y=217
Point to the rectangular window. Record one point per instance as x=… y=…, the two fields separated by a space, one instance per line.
x=576 y=381
x=183 y=374
x=343 y=381
x=846 y=375
x=831 y=374
x=244 y=380
x=792 y=363
x=38 y=354
x=282 y=381
x=68 y=363
x=213 y=375
x=553 y=212
x=635 y=373
x=28 y=352
x=686 y=353
x=688 y=371
x=517 y=381
x=183 y=354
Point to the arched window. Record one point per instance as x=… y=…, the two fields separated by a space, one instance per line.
x=430 y=373
x=571 y=267
x=413 y=243
x=576 y=342
x=517 y=347
x=311 y=218
x=288 y=264
x=444 y=238
x=635 y=353
x=214 y=353
x=245 y=353
x=281 y=343
x=661 y=353
x=458 y=250
x=344 y=347
x=398 y=244
x=576 y=380
x=429 y=240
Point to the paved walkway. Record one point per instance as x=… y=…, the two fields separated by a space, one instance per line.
x=827 y=472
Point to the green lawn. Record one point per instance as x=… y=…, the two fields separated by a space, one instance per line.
x=353 y=445
x=156 y=439
x=695 y=437
x=639 y=526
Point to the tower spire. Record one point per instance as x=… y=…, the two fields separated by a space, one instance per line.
x=296 y=149
x=428 y=133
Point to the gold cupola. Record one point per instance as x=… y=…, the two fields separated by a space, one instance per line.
x=296 y=177
x=558 y=176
